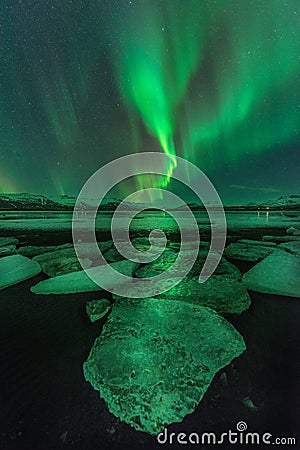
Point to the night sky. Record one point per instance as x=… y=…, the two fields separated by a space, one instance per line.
x=216 y=82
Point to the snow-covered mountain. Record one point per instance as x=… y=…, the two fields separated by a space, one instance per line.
x=285 y=201
x=24 y=201
x=31 y=202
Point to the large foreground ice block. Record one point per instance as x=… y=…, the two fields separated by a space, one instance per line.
x=16 y=268
x=277 y=274
x=155 y=359
x=80 y=282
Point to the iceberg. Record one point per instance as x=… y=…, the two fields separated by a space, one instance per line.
x=277 y=274
x=80 y=281
x=16 y=268
x=96 y=309
x=155 y=360
x=224 y=295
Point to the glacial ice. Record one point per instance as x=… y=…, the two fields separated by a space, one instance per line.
x=96 y=309
x=155 y=359
x=247 y=251
x=64 y=259
x=80 y=282
x=16 y=268
x=277 y=274
x=8 y=241
x=224 y=295
x=7 y=250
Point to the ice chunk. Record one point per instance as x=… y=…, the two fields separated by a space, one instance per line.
x=96 y=309
x=167 y=259
x=8 y=241
x=155 y=360
x=16 y=268
x=35 y=250
x=248 y=252
x=291 y=247
x=220 y=293
x=254 y=242
x=279 y=239
x=293 y=231
x=277 y=274
x=7 y=250
x=64 y=260
x=80 y=281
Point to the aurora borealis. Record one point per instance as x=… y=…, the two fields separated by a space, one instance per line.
x=215 y=82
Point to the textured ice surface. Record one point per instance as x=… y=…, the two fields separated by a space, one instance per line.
x=169 y=256
x=64 y=260
x=7 y=250
x=35 y=250
x=254 y=242
x=16 y=268
x=220 y=293
x=291 y=247
x=278 y=274
x=80 y=281
x=8 y=241
x=241 y=251
x=279 y=239
x=96 y=309
x=295 y=231
x=155 y=360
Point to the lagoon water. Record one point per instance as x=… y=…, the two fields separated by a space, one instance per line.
x=46 y=402
x=62 y=221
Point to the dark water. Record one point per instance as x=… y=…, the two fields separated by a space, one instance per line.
x=47 y=404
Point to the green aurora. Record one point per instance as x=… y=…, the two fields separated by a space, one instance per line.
x=214 y=82
x=158 y=63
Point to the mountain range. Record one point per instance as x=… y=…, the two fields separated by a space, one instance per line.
x=33 y=202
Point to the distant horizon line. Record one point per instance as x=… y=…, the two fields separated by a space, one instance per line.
x=114 y=199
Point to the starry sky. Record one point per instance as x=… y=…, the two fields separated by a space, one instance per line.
x=216 y=82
